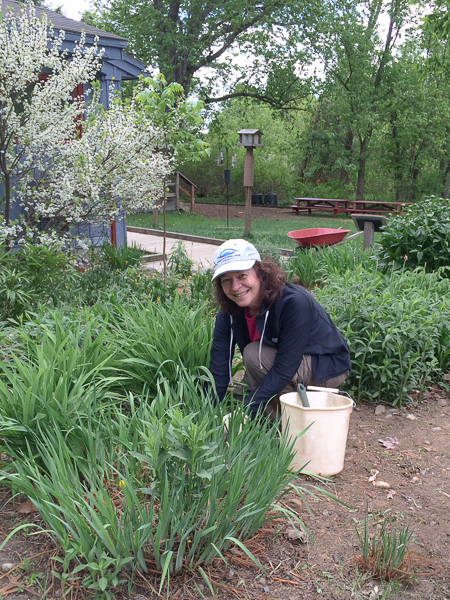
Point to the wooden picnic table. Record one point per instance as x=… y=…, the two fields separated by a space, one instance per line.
x=379 y=208
x=309 y=204
x=348 y=206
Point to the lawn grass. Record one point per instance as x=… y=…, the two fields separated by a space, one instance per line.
x=269 y=231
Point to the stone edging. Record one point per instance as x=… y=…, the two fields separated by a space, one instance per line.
x=179 y=236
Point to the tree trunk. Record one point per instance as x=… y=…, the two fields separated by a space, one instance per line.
x=348 y=145
x=398 y=172
x=362 y=160
x=7 y=198
x=446 y=182
x=446 y=188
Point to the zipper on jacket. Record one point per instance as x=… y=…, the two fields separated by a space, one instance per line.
x=262 y=337
x=231 y=348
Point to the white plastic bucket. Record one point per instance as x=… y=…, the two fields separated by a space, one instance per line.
x=322 y=446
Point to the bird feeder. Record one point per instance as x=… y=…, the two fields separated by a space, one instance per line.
x=249 y=138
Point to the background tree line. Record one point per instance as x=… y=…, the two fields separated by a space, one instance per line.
x=352 y=97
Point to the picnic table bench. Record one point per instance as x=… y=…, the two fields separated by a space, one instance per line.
x=348 y=206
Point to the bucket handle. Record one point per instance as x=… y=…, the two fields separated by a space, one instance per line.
x=313 y=388
x=347 y=395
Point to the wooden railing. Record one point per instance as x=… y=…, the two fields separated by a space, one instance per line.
x=182 y=184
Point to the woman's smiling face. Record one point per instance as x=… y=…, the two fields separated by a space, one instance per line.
x=243 y=288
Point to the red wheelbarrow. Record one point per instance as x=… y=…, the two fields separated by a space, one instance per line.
x=317 y=236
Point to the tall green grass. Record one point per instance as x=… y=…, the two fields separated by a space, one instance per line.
x=51 y=374
x=152 y=341
x=153 y=486
x=311 y=266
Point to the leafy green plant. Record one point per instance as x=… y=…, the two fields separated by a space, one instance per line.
x=179 y=262
x=99 y=286
x=420 y=238
x=121 y=258
x=267 y=250
x=200 y=288
x=310 y=266
x=16 y=293
x=62 y=370
x=104 y=574
x=154 y=482
x=31 y=276
x=152 y=341
x=397 y=329
x=384 y=553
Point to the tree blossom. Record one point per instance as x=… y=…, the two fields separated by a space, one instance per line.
x=59 y=177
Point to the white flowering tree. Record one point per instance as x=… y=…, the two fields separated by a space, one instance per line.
x=65 y=161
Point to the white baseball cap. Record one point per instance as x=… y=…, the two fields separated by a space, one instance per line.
x=234 y=255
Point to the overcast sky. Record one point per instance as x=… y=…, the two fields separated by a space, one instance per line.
x=71 y=8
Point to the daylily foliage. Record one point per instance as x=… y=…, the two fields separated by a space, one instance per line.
x=66 y=160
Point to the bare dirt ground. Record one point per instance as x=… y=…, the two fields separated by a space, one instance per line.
x=416 y=466
x=235 y=211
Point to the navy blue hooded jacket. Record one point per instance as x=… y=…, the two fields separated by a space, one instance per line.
x=295 y=324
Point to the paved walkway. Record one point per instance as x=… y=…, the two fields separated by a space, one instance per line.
x=200 y=252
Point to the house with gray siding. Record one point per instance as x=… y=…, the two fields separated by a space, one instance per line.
x=116 y=66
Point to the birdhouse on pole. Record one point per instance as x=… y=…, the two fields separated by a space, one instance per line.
x=249 y=138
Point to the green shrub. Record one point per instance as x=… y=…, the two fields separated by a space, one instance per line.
x=268 y=250
x=152 y=341
x=179 y=263
x=55 y=372
x=200 y=286
x=310 y=266
x=397 y=327
x=121 y=258
x=420 y=238
x=99 y=285
x=32 y=276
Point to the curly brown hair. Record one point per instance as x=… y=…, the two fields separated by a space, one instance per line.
x=272 y=278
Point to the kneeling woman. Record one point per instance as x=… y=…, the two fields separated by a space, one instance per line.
x=284 y=335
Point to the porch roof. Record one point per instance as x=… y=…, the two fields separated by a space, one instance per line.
x=115 y=59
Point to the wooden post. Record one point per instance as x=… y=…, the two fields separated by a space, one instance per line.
x=369 y=230
x=249 y=167
x=177 y=191
x=248 y=211
x=192 y=198
x=164 y=237
x=114 y=234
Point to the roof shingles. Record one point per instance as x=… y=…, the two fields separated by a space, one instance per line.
x=61 y=22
